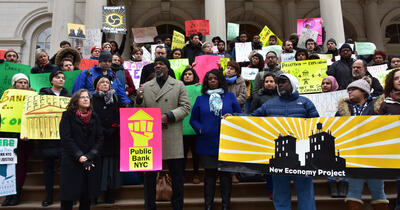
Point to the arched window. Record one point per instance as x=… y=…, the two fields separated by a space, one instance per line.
x=393 y=32
x=43 y=40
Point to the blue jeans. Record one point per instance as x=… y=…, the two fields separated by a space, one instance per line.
x=375 y=186
x=282 y=193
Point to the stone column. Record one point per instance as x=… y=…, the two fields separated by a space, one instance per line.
x=289 y=17
x=331 y=13
x=215 y=13
x=94 y=13
x=372 y=21
x=63 y=13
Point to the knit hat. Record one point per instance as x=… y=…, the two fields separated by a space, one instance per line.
x=334 y=83
x=294 y=36
x=55 y=73
x=96 y=81
x=11 y=50
x=332 y=40
x=293 y=81
x=17 y=77
x=106 y=43
x=361 y=84
x=164 y=60
x=105 y=56
x=345 y=45
x=95 y=47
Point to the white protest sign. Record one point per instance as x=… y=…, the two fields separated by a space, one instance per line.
x=337 y=58
x=144 y=35
x=214 y=49
x=275 y=48
x=153 y=50
x=288 y=57
x=146 y=55
x=135 y=70
x=249 y=73
x=8 y=184
x=375 y=70
x=242 y=50
x=306 y=34
x=326 y=103
x=93 y=38
x=7 y=146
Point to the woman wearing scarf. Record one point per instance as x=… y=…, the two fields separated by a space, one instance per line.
x=106 y=105
x=236 y=83
x=215 y=102
x=81 y=141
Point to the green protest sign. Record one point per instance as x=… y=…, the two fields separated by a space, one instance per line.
x=178 y=65
x=8 y=70
x=233 y=31
x=193 y=91
x=365 y=48
x=39 y=81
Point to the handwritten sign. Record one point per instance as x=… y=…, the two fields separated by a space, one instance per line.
x=242 y=50
x=314 y=24
x=144 y=35
x=8 y=70
x=379 y=72
x=249 y=73
x=197 y=26
x=328 y=58
x=265 y=34
x=233 y=31
x=305 y=35
x=327 y=103
x=288 y=57
x=135 y=70
x=88 y=63
x=8 y=180
x=205 y=63
x=114 y=19
x=93 y=38
x=76 y=31
x=365 y=48
x=178 y=40
x=274 y=48
x=7 y=154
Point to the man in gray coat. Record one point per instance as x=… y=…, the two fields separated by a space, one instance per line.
x=170 y=96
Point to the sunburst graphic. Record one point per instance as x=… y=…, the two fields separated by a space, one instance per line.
x=363 y=141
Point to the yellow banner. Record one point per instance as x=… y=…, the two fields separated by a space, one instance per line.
x=178 y=40
x=11 y=106
x=309 y=73
x=265 y=34
x=41 y=116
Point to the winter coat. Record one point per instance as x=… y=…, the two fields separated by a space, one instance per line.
x=60 y=55
x=46 y=69
x=191 y=51
x=238 y=88
x=388 y=106
x=347 y=108
x=79 y=139
x=259 y=80
x=341 y=70
x=149 y=69
x=127 y=82
x=109 y=115
x=202 y=118
x=173 y=99
x=86 y=78
x=261 y=97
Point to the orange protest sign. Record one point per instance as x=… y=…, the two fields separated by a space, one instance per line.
x=196 y=26
x=88 y=63
x=2 y=52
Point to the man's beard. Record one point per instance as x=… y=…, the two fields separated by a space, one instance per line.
x=159 y=74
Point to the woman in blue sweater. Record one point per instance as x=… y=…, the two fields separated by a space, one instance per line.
x=206 y=121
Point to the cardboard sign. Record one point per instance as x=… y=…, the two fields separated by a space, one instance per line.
x=76 y=31
x=365 y=48
x=8 y=70
x=2 y=52
x=265 y=34
x=193 y=92
x=197 y=26
x=7 y=154
x=144 y=35
x=326 y=103
x=135 y=70
x=41 y=116
x=8 y=180
x=249 y=73
x=314 y=24
x=178 y=40
x=309 y=73
x=242 y=50
x=88 y=63
x=288 y=57
x=141 y=141
x=114 y=19
x=351 y=146
x=11 y=106
x=93 y=38
x=233 y=31
x=39 y=81
x=204 y=64
x=305 y=35
x=179 y=65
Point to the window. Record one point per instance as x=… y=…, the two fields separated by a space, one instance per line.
x=286 y=154
x=322 y=138
x=315 y=147
x=277 y=143
x=312 y=155
x=43 y=40
x=393 y=32
x=283 y=148
x=287 y=141
x=319 y=147
x=280 y=155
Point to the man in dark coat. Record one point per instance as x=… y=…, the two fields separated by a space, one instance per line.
x=148 y=69
x=192 y=49
x=359 y=70
x=341 y=69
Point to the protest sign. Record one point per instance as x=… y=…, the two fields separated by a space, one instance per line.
x=39 y=81
x=309 y=73
x=288 y=57
x=381 y=75
x=179 y=65
x=249 y=73
x=93 y=38
x=305 y=35
x=233 y=31
x=193 y=92
x=76 y=31
x=274 y=48
x=214 y=49
x=8 y=180
x=135 y=70
x=11 y=106
x=8 y=70
x=314 y=24
x=326 y=103
x=114 y=20
x=374 y=70
x=352 y=56
x=265 y=34
x=88 y=63
x=2 y=52
x=328 y=58
x=178 y=40
x=7 y=154
x=146 y=55
x=144 y=35
x=41 y=116
x=204 y=64
x=350 y=146
x=197 y=26
x=365 y=48
x=153 y=50
x=141 y=141
x=224 y=63
x=242 y=50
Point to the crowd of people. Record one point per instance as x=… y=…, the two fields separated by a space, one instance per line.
x=90 y=142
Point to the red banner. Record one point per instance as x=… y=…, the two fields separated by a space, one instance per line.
x=2 y=52
x=196 y=26
x=87 y=63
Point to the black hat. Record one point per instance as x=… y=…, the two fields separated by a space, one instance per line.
x=105 y=56
x=55 y=73
x=164 y=60
x=332 y=40
x=345 y=45
x=98 y=79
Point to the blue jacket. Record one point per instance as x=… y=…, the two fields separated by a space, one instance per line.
x=287 y=106
x=86 y=78
x=202 y=118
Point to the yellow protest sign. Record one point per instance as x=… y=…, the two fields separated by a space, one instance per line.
x=265 y=34
x=224 y=63
x=41 y=116
x=11 y=106
x=328 y=58
x=309 y=73
x=178 y=40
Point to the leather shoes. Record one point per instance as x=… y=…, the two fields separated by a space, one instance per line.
x=6 y=201
x=14 y=200
x=46 y=203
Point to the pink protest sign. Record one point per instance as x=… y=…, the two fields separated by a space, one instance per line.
x=141 y=139
x=314 y=24
x=205 y=63
x=135 y=70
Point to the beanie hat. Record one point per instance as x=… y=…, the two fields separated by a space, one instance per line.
x=11 y=50
x=345 y=45
x=95 y=47
x=334 y=83
x=164 y=60
x=17 y=77
x=54 y=73
x=96 y=81
x=361 y=84
x=106 y=43
x=293 y=81
x=332 y=40
x=105 y=56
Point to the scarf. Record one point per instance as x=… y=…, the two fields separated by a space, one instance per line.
x=215 y=100
x=108 y=96
x=231 y=80
x=85 y=117
x=395 y=95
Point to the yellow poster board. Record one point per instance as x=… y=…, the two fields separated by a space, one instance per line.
x=265 y=34
x=178 y=40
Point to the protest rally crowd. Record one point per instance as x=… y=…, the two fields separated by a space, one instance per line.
x=89 y=149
